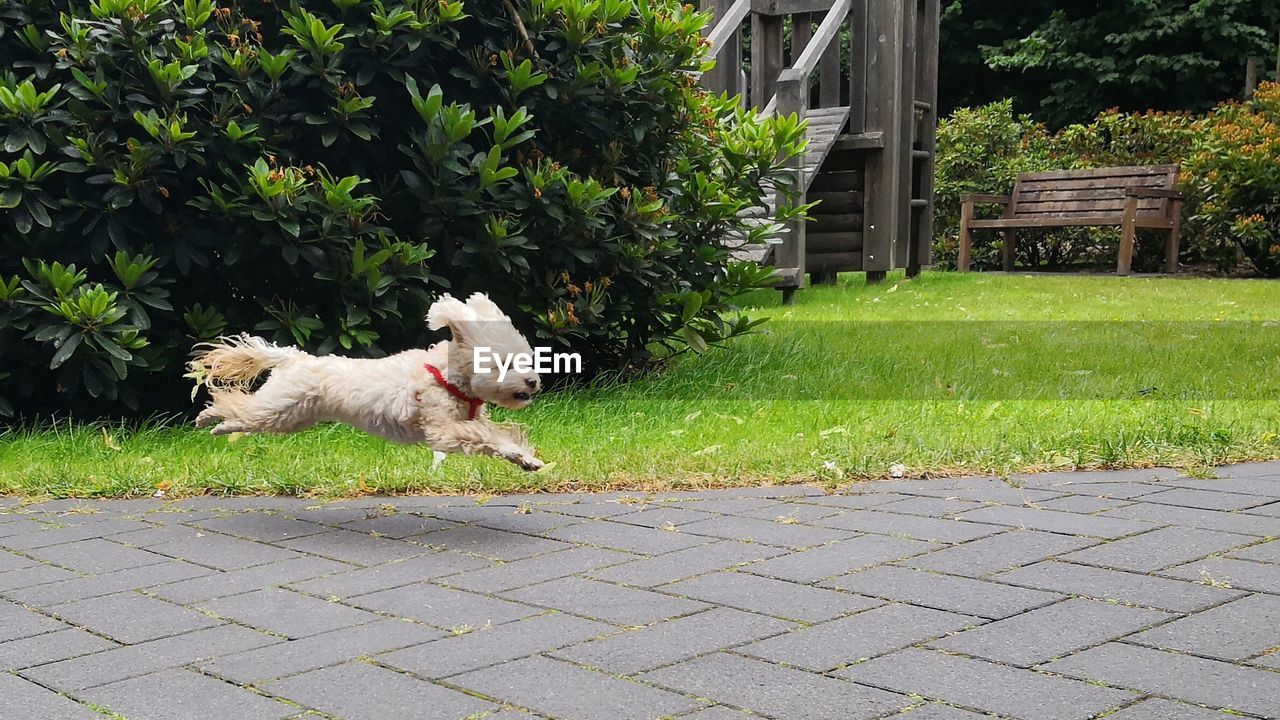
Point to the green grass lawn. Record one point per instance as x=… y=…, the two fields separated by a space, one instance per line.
x=944 y=374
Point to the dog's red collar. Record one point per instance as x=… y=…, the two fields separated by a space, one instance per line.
x=473 y=403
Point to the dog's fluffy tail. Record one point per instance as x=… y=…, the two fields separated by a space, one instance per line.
x=232 y=363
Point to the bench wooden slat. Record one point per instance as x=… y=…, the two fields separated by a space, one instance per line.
x=1120 y=171
x=1074 y=221
x=1089 y=208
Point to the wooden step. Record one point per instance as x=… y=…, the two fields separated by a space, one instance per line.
x=837 y=203
x=837 y=261
x=837 y=222
x=827 y=181
x=832 y=242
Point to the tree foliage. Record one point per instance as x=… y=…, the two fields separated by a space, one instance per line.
x=1065 y=62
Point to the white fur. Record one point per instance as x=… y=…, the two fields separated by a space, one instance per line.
x=393 y=397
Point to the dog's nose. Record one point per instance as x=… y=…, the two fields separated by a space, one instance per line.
x=531 y=383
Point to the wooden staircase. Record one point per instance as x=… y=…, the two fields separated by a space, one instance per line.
x=871 y=126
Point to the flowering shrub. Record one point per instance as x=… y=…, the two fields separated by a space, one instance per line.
x=1233 y=177
x=174 y=169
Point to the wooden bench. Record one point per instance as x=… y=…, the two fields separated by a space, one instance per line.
x=1131 y=197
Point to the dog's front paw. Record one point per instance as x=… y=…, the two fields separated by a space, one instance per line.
x=530 y=463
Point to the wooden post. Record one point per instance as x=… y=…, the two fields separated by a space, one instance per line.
x=829 y=75
x=724 y=77
x=1250 y=77
x=789 y=257
x=801 y=34
x=858 y=67
x=927 y=89
x=766 y=57
x=889 y=73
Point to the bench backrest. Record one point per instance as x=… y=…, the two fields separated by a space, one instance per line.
x=1090 y=193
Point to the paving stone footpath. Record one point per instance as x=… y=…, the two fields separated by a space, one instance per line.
x=1132 y=595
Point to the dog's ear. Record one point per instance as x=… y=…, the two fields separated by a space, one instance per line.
x=450 y=312
x=485 y=308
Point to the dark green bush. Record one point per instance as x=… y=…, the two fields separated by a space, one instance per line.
x=174 y=169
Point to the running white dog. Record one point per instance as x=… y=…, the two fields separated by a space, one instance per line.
x=430 y=396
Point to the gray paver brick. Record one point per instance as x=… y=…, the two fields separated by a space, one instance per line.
x=222 y=552
x=1207 y=682
x=17 y=622
x=487 y=646
x=767 y=532
x=10 y=561
x=800 y=512
x=999 y=552
x=936 y=711
x=260 y=526
x=1193 y=517
x=1082 y=504
x=1056 y=521
x=182 y=695
x=1157 y=549
x=135 y=660
x=996 y=492
x=1268 y=552
x=95 y=556
x=630 y=538
x=30 y=576
x=1265 y=486
x=717 y=713
x=256 y=665
x=390 y=575
x=356 y=548
x=489 y=543
x=1104 y=584
x=1049 y=632
x=930 y=506
x=1115 y=490
x=875 y=632
x=840 y=557
x=50 y=647
x=1272 y=510
x=944 y=592
x=986 y=686
x=776 y=691
x=656 y=517
x=235 y=582
x=538 y=683
x=287 y=613
x=359 y=691
x=56 y=535
x=1158 y=709
x=398 y=526
x=443 y=607
x=650 y=572
x=1239 y=574
x=24 y=699
x=99 y=585
x=673 y=640
x=603 y=601
x=770 y=596
x=530 y=571
x=1206 y=499
x=854 y=502
x=131 y=618
x=1233 y=631
x=882 y=522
